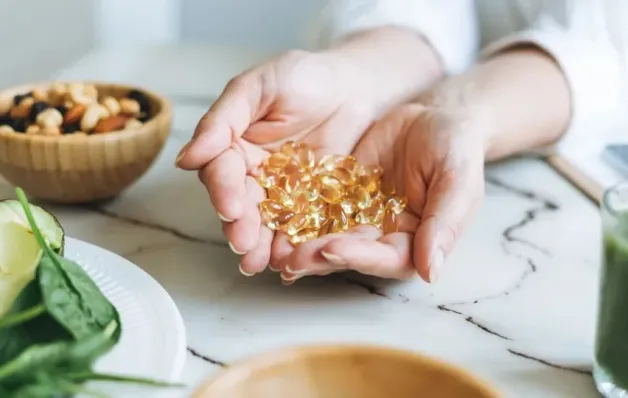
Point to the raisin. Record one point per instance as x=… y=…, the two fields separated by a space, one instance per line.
x=142 y=99
x=19 y=124
x=72 y=127
x=37 y=108
x=18 y=98
x=144 y=117
x=62 y=109
x=5 y=119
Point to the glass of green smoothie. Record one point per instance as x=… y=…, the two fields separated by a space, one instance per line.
x=610 y=368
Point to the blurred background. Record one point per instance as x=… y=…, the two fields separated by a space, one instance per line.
x=40 y=37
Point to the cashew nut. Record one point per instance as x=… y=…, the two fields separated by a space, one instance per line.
x=112 y=105
x=92 y=115
x=130 y=107
x=50 y=117
x=6 y=129
x=133 y=124
x=82 y=94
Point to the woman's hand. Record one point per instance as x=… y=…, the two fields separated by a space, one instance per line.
x=325 y=99
x=434 y=154
x=436 y=160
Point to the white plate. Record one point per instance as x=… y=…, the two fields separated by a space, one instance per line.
x=153 y=342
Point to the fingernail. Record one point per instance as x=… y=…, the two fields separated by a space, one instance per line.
x=435 y=263
x=223 y=218
x=333 y=258
x=287 y=283
x=233 y=249
x=296 y=271
x=182 y=153
x=270 y=266
x=287 y=276
x=243 y=272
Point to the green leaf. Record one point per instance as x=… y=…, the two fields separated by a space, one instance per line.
x=57 y=358
x=92 y=376
x=12 y=320
x=70 y=295
x=39 y=330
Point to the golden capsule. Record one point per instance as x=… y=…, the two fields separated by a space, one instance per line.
x=270 y=207
x=360 y=196
x=290 y=182
x=296 y=223
x=396 y=204
x=288 y=148
x=332 y=182
x=313 y=190
x=371 y=215
x=305 y=157
x=343 y=175
x=281 y=220
x=348 y=206
x=331 y=195
x=282 y=197
x=348 y=163
x=316 y=220
x=304 y=236
x=267 y=177
x=301 y=202
x=328 y=163
x=278 y=160
x=292 y=168
x=340 y=221
x=326 y=227
x=370 y=182
x=390 y=222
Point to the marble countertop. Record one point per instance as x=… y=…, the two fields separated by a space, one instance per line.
x=515 y=304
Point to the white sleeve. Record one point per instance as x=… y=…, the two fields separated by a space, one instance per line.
x=450 y=26
x=589 y=45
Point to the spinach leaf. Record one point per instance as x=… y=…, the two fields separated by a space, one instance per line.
x=56 y=358
x=70 y=295
x=18 y=318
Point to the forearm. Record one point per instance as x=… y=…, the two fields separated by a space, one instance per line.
x=517 y=101
x=397 y=64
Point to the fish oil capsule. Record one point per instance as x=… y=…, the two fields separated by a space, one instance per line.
x=328 y=163
x=281 y=220
x=390 y=222
x=315 y=220
x=360 y=196
x=343 y=175
x=296 y=223
x=301 y=202
x=325 y=228
x=340 y=221
x=396 y=204
x=305 y=157
x=370 y=182
x=288 y=148
x=278 y=160
x=313 y=190
x=372 y=215
x=290 y=182
x=329 y=181
x=267 y=177
x=270 y=207
x=348 y=163
x=292 y=168
x=331 y=195
x=318 y=206
x=348 y=206
x=303 y=236
x=280 y=196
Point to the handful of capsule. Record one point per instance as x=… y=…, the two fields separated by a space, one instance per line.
x=307 y=199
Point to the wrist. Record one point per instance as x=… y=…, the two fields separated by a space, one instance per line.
x=388 y=66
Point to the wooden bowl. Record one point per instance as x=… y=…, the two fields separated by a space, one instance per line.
x=343 y=372
x=81 y=169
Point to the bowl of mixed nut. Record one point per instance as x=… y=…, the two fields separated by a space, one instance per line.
x=79 y=142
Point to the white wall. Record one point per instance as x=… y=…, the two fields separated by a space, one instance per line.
x=38 y=37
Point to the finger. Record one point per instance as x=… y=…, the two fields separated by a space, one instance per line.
x=281 y=249
x=227 y=119
x=450 y=204
x=243 y=233
x=256 y=260
x=388 y=257
x=308 y=258
x=225 y=179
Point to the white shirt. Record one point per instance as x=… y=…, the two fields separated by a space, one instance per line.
x=587 y=38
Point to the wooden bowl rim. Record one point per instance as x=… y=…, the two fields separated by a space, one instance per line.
x=164 y=112
x=285 y=355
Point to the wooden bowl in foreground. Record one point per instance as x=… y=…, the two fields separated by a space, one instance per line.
x=344 y=372
x=82 y=169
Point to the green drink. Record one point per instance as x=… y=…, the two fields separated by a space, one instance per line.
x=611 y=346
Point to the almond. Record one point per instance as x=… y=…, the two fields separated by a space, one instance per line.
x=74 y=114
x=111 y=123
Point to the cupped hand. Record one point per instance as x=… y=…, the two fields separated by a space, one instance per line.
x=316 y=98
x=433 y=157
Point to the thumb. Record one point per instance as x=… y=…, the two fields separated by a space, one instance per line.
x=227 y=119
x=452 y=200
